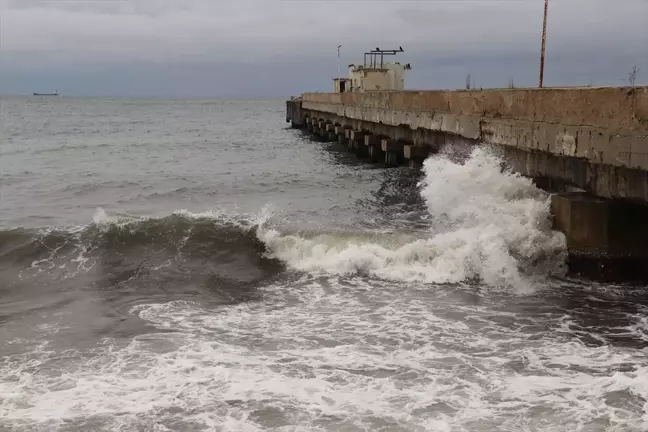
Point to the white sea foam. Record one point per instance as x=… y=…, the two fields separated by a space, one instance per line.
x=330 y=356
x=488 y=223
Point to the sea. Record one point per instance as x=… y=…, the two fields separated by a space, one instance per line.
x=198 y=265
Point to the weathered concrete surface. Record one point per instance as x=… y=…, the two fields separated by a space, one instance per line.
x=603 y=131
x=623 y=108
x=606 y=239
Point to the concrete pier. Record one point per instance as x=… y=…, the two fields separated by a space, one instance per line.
x=593 y=140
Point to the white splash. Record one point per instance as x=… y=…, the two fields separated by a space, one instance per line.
x=489 y=224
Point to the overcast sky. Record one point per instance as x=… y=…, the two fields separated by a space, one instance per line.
x=278 y=48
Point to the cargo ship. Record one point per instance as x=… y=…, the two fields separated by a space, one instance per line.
x=54 y=93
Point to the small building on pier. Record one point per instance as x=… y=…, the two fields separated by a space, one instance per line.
x=374 y=74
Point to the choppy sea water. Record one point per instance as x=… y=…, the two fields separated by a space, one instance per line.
x=196 y=265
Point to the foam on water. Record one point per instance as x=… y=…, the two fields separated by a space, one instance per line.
x=487 y=223
x=330 y=355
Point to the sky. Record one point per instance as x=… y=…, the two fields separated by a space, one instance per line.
x=278 y=48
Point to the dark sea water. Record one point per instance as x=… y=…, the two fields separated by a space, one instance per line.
x=198 y=266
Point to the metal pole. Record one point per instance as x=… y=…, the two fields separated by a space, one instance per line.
x=544 y=42
x=339 y=60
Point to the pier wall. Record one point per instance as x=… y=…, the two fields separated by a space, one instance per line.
x=589 y=143
x=595 y=139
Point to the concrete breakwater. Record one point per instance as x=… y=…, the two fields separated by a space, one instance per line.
x=588 y=146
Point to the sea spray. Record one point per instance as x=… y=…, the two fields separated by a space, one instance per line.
x=498 y=218
x=487 y=223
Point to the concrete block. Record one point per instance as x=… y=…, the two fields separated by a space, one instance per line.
x=449 y=123
x=361 y=150
x=639 y=155
x=524 y=132
x=416 y=163
x=390 y=145
x=546 y=136
x=584 y=140
x=415 y=152
x=375 y=153
x=357 y=136
x=566 y=141
x=606 y=239
x=584 y=221
x=599 y=147
x=467 y=127
x=498 y=132
x=372 y=140
x=618 y=151
x=391 y=158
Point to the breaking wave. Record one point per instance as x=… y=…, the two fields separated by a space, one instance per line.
x=485 y=223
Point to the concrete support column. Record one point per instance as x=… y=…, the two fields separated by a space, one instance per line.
x=347 y=136
x=358 y=139
x=320 y=128
x=607 y=240
x=415 y=155
x=339 y=133
x=373 y=144
x=329 y=129
x=393 y=151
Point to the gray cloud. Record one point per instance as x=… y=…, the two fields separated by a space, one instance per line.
x=269 y=44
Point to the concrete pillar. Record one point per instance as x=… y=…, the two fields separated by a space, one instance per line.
x=347 y=136
x=607 y=240
x=320 y=129
x=339 y=133
x=393 y=151
x=358 y=137
x=329 y=132
x=374 y=148
x=415 y=155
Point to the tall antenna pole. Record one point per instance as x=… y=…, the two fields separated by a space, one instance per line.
x=339 y=46
x=544 y=42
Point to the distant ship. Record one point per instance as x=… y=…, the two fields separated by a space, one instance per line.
x=54 y=93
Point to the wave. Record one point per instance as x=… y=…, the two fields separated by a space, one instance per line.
x=485 y=223
x=218 y=243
